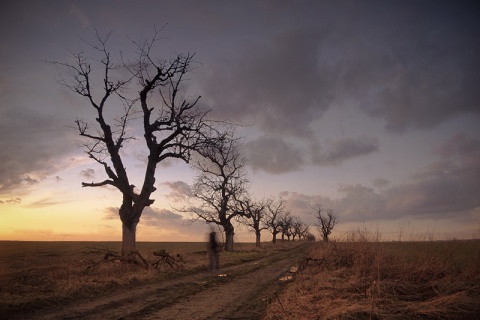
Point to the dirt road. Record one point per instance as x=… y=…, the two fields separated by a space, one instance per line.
x=241 y=291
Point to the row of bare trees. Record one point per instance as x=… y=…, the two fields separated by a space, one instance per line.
x=147 y=93
x=220 y=196
x=272 y=215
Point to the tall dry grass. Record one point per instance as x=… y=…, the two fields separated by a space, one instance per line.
x=363 y=278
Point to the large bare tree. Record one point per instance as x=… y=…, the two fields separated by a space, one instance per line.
x=146 y=91
x=220 y=184
x=326 y=220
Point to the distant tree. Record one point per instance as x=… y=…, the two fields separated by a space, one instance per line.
x=304 y=231
x=147 y=89
x=326 y=220
x=298 y=228
x=273 y=217
x=275 y=210
x=286 y=225
x=220 y=183
x=254 y=217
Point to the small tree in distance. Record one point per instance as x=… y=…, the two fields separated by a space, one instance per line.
x=273 y=217
x=326 y=221
x=254 y=217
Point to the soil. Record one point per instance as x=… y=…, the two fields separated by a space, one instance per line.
x=242 y=291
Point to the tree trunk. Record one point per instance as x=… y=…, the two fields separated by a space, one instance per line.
x=229 y=232
x=325 y=238
x=274 y=239
x=257 y=238
x=129 y=232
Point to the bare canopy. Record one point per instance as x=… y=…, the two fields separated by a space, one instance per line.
x=146 y=92
x=326 y=220
x=220 y=183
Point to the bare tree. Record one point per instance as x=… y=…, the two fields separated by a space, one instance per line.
x=298 y=228
x=286 y=225
x=220 y=184
x=148 y=90
x=304 y=232
x=326 y=220
x=254 y=217
x=273 y=217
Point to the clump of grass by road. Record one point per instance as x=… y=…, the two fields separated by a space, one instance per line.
x=368 y=279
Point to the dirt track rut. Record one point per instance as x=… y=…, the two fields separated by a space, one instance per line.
x=241 y=291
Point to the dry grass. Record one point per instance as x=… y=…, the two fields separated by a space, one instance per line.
x=40 y=274
x=366 y=279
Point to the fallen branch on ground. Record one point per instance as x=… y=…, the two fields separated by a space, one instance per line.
x=110 y=256
x=167 y=259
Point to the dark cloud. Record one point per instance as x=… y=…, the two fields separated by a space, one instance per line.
x=179 y=190
x=150 y=216
x=414 y=68
x=33 y=142
x=411 y=64
x=449 y=187
x=161 y=217
x=273 y=155
x=88 y=173
x=459 y=145
x=11 y=201
x=30 y=180
x=360 y=203
x=338 y=151
x=301 y=205
x=278 y=86
x=380 y=183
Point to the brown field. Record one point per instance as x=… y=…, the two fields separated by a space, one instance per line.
x=360 y=279
x=41 y=278
x=37 y=274
x=385 y=280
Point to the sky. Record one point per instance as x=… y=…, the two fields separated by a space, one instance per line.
x=370 y=108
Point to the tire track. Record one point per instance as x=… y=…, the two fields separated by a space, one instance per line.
x=201 y=295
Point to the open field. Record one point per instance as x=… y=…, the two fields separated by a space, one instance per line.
x=361 y=279
x=385 y=280
x=56 y=280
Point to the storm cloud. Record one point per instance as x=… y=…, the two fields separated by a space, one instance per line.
x=370 y=108
x=338 y=151
x=448 y=188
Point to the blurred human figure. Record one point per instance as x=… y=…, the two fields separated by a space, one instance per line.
x=213 y=252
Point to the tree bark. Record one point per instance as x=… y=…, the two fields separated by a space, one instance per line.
x=129 y=233
x=229 y=232
x=257 y=239
x=274 y=239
